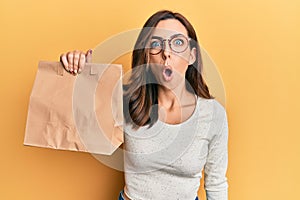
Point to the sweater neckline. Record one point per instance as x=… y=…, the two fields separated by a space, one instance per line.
x=195 y=111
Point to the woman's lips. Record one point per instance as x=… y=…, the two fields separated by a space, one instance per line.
x=167 y=73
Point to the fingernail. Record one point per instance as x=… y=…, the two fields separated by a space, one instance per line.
x=79 y=70
x=75 y=71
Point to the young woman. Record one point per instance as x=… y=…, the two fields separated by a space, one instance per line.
x=173 y=127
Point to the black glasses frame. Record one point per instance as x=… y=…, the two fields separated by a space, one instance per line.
x=169 y=43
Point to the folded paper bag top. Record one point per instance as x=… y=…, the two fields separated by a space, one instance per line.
x=77 y=113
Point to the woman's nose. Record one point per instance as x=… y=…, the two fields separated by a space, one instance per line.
x=166 y=51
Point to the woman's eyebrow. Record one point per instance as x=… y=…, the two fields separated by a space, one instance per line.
x=172 y=36
x=178 y=34
x=156 y=37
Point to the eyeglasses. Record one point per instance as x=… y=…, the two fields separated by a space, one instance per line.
x=177 y=43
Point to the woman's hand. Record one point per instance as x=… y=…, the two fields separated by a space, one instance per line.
x=74 y=61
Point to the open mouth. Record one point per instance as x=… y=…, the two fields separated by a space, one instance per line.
x=167 y=74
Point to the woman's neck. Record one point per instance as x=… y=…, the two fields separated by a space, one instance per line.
x=176 y=105
x=171 y=99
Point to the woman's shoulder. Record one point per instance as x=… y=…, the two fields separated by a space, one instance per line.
x=213 y=106
x=212 y=112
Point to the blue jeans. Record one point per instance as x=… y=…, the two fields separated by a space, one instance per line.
x=121 y=196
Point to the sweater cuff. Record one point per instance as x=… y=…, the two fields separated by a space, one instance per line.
x=217 y=195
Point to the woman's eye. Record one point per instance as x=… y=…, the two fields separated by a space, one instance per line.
x=178 y=42
x=155 y=44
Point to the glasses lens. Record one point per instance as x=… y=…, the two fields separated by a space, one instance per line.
x=155 y=46
x=179 y=43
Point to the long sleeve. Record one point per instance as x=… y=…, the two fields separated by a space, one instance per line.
x=215 y=181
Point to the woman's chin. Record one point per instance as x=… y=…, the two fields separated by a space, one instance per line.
x=170 y=83
x=167 y=78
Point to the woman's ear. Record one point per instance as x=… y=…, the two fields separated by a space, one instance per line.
x=193 y=56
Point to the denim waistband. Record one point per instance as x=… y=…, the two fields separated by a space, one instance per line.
x=122 y=198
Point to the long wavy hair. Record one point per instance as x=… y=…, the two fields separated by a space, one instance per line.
x=141 y=92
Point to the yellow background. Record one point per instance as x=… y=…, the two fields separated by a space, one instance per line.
x=254 y=43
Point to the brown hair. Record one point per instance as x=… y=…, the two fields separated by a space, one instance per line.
x=140 y=97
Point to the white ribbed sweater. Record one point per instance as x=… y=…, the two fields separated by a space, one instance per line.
x=165 y=162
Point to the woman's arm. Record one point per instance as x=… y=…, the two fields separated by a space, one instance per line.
x=215 y=181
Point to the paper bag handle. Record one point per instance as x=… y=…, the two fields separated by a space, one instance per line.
x=61 y=70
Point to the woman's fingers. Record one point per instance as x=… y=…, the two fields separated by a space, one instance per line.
x=82 y=60
x=89 y=56
x=74 y=61
x=70 y=56
x=63 y=59
x=76 y=56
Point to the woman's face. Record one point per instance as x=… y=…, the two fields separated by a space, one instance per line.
x=170 y=53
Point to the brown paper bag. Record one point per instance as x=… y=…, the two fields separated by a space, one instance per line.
x=78 y=113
